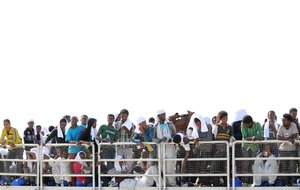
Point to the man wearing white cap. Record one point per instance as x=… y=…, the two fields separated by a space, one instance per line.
x=143 y=133
x=163 y=132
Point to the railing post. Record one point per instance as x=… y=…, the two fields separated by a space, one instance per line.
x=99 y=167
x=164 y=165
x=228 y=165
x=233 y=165
x=159 y=166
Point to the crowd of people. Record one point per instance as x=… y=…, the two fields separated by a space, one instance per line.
x=76 y=137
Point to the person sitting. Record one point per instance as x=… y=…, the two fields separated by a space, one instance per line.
x=81 y=167
x=265 y=167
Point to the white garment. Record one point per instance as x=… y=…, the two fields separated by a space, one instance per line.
x=170 y=153
x=79 y=160
x=164 y=132
x=60 y=133
x=185 y=146
x=208 y=121
x=56 y=169
x=269 y=167
x=93 y=133
x=128 y=124
x=65 y=168
x=193 y=125
x=117 y=163
x=239 y=115
x=148 y=181
x=128 y=184
x=267 y=128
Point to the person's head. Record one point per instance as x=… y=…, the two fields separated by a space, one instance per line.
x=110 y=119
x=223 y=117
x=74 y=121
x=92 y=122
x=190 y=131
x=30 y=123
x=271 y=115
x=214 y=120
x=38 y=129
x=63 y=123
x=248 y=121
x=266 y=150
x=84 y=119
x=6 y=124
x=50 y=128
x=142 y=123
x=64 y=153
x=177 y=139
x=286 y=120
x=151 y=120
x=197 y=123
x=124 y=114
x=161 y=114
x=82 y=155
x=293 y=113
x=67 y=117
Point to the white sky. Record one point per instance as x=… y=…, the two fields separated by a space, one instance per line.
x=97 y=57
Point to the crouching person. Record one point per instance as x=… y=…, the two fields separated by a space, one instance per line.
x=265 y=167
x=81 y=167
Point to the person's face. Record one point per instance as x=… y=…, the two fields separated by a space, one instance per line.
x=267 y=151
x=162 y=116
x=124 y=117
x=82 y=155
x=294 y=114
x=198 y=124
x=43 y=133
x=38 y=129
x=59 y=153
x=68 y=119
x=94 y=124
x=64 y=154
x=214 y=120
x=224 y=119
x=63 y=125
x=30 y=124
x=272 y=115
x=84 y=120
x=110 y=120
x=285 y=122
x=143 y=125
x=6 y=124
x=32 y=156
x=74 y=121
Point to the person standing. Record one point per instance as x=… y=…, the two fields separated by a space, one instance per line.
x=14 y=152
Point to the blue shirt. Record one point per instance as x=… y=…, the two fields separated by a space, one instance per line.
x=146 y=137
x=73 y=134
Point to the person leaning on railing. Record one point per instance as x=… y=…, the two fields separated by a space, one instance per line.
x=251 y=131
x=15 y=152
x=287 y=131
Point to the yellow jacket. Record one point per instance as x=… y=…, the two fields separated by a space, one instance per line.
x=11 y=136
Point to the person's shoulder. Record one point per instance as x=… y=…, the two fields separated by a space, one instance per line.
x=293 y=125
x=102 y=126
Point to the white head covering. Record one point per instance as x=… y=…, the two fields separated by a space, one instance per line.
x=193 y=125
x=60 y=133
x=139 y=120
x=34 y=151
x=160 y=112
x=208 y=121
x=46 y=151
x=239 y=115
x=46 y=131
x=79 y=160
x=117 y=163
x=267 y=128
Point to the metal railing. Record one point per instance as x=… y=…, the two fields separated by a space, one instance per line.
x=128 y=144
x=197 y=159
x=238 y=160
x=21 y=174
x=92 y=160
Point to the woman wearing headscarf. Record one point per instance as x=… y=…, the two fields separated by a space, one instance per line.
x=81 y=167
x=201 y=132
